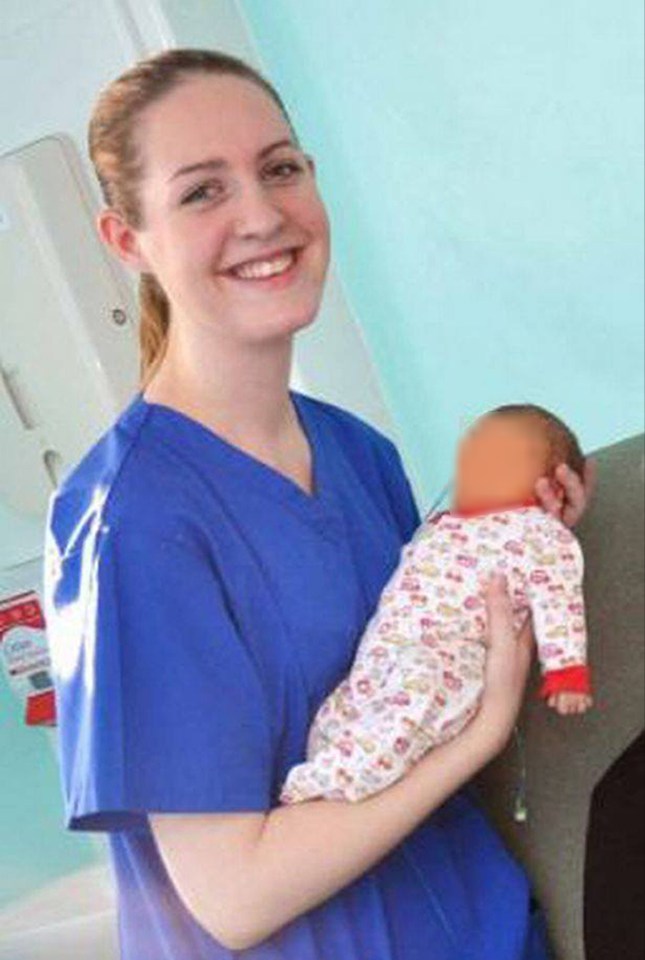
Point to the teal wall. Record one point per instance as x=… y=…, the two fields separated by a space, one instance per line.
x=35 y=848
x=482 y=164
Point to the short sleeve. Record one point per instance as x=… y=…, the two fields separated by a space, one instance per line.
x=160 y=707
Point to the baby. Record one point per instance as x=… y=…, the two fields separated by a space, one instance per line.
x=418 y=674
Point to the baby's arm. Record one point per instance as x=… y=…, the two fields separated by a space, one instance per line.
x=555 y=592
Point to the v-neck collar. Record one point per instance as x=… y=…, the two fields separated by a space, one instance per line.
x=195 y=439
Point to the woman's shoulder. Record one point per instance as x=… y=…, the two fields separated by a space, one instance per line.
x=349 y=425
x=123 y=480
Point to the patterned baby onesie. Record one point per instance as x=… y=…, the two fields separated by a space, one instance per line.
x=417 y=677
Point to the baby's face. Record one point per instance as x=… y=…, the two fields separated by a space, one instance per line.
x=498 y=462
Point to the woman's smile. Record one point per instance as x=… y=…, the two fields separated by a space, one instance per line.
x=272 y=273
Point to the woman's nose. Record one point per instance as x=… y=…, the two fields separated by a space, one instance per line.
x=256 y=210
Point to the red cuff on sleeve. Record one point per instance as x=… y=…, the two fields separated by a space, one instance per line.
x=574 y=679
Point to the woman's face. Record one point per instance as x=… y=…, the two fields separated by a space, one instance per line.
x=227 y=190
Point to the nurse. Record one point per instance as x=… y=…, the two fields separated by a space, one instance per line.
x=213 y=559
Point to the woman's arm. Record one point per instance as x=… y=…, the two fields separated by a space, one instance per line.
x=245 y=875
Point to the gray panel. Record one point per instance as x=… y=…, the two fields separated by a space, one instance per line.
x=566 y=756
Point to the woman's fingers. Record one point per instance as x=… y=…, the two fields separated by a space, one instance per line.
x=507 y=663
x=551 y=499
x=579 y=492
x=569 y=496
x=500 y=614
x=509 y=652
x=575 y=497
x=591 y=476
x=526 y=635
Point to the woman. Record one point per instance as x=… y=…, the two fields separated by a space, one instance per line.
x=213 y=559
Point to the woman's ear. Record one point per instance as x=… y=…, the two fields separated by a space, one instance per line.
x=120 y=238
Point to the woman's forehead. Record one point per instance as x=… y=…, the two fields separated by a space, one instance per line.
x=208 y=117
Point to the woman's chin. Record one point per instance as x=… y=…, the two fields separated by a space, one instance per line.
x=262 y=326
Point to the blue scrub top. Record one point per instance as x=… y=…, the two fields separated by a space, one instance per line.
x=200 y=605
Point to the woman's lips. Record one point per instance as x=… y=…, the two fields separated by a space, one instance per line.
x=274 y=281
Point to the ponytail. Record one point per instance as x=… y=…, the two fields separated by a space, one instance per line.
x=154 y=324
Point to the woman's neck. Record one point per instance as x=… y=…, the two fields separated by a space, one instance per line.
x=241 y=392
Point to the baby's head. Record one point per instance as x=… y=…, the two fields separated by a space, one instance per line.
x=506 y=451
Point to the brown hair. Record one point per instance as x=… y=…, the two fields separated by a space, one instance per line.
x=563 y=444
x=119 y=166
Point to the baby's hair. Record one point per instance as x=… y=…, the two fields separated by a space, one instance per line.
x=564 y=446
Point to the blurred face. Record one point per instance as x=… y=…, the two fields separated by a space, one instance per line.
x=235 y=229
x=499 y=461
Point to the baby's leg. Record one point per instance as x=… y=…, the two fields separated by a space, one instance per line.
x=360 y=744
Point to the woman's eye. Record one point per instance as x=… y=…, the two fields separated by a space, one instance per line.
x=198 y=194
x=285 y=169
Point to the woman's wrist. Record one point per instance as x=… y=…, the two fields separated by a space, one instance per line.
x=491 y=729
x=478 y=743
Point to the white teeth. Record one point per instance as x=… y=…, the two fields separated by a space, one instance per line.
x=265 y=268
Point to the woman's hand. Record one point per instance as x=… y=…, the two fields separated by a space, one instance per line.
x=568 y=496
x=507 y=667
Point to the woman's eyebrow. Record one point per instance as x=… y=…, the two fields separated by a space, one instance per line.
x=216 y=163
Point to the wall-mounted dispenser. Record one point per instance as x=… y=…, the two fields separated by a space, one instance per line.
x=68 y=353
x=25 y=657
